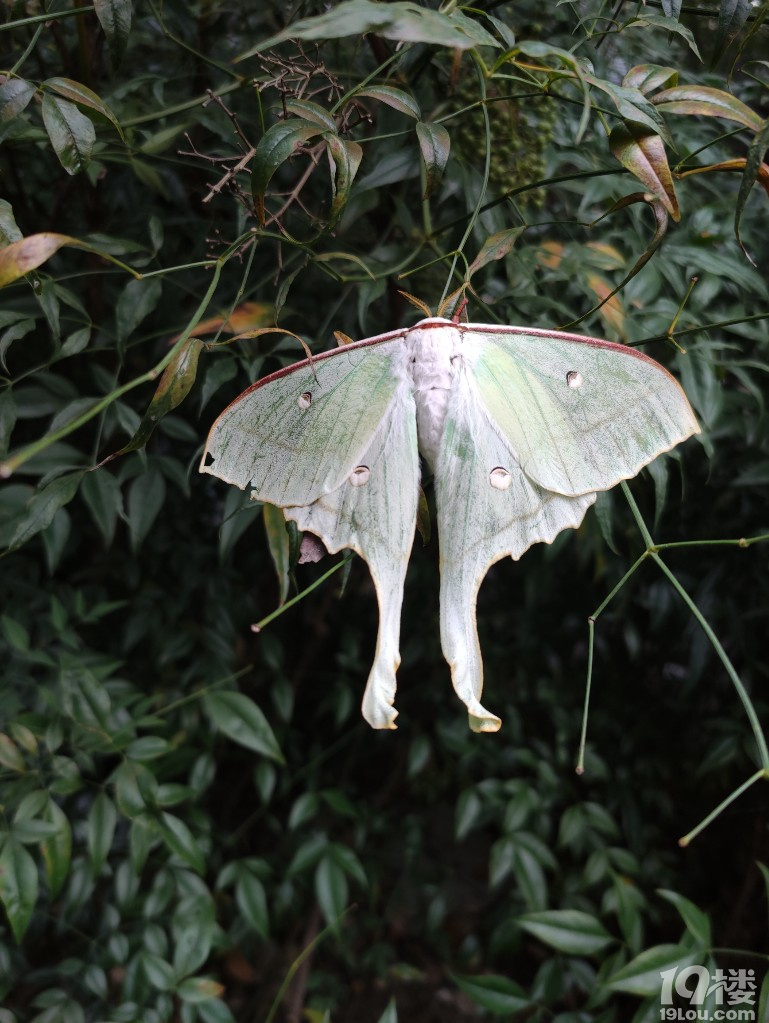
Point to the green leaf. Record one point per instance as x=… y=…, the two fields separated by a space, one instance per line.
x=732 y=15
x=101 y=492
x=496 y=246
x=173 y=387
x=115 y=19
x=275 y=146
x=753 y=166
x=85 y=97
x=641 y=976
x=568 y=930
x=179 y=839
x=306 y=110
x=434 y=145
x=145 y=499
x=252 y=902
x=667 y=24
x=158 y=971
x=56 y=850
x=390 y=1015
x=399 y=100
x=697 y=922
x=497 y=995
x=137 y=300
x=102 y=819
x=9 y=229
x=278 y=543
x=633 y=106
x=400 y=20
x=705 y=101
x=18 y=885
x=71 y=133
x=242 y=721
x=193 y=928
x=44 y=505
x=15 y=633
x=642 y=152
x=345 y=157
x=330 y=889
x=15 y=94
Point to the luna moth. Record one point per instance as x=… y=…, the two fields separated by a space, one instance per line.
x=520 y=428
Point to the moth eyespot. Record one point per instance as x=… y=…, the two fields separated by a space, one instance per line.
x=574 y=379
x=305 y=400
x=500 y=478
x=359 y=475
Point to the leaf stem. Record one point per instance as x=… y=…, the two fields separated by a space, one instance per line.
x=258 y=626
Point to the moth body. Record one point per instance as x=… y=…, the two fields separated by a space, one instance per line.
x=434 y=358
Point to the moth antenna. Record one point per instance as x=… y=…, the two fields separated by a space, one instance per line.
x=420 y=305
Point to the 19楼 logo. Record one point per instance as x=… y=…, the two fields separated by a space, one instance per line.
x=735 y=989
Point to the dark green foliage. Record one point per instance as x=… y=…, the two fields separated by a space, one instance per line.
x=189 y=806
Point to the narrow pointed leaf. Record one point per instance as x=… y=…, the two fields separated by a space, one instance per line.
x=434 y=144
x=395 y=98
x=44 y=505
x=242 y=721
x=77 y=93
x=643 y=153
x=15 y=94
x=180 y=840
x=56 y=850
x=115 y=19
x=71 y=133
x=732 y=15
x=9 y=229
x=277 y=541
x=345 y=157
x=401 y=20
x=102 y=820
x=705 y=101
x=496 y=246
x=309 y=111
x=633 y=106
x=18 y=885
x=641 y=976
x=568 y=930
x=753 y=170
x=497 y=995
x=669 y=24
x=274 y=148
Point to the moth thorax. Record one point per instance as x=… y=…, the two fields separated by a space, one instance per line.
x=433 y=363
x=500 y=478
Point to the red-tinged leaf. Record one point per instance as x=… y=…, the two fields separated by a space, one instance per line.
x=71 y=133
x=434 y=144
x=276 y=146
x=732 y=15
x=277 y=541
x=27 y=254
x=496 y=246
x=661 y=226
x=173 y=387
x=610 y=310
x=18 y=885
x=753 y=171
x=395 y=98
x=705 y=101
x=199 y=989
x=115 y=19
x=650 y=77
x=83 y=96
x=345 y=157
x=643 y=153
x=15 y=94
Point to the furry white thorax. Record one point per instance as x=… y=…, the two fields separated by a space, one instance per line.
x=433 y=365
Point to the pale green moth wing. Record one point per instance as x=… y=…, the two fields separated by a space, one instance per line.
x=334 y=443
x=299 y=433
x=374 y=512
x=579 y=414
x=487 y=509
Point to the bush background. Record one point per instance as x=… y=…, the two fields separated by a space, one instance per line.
x=188 y=806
